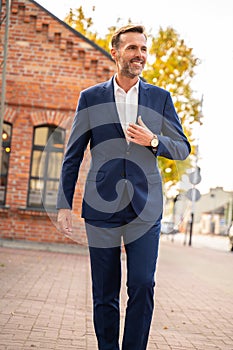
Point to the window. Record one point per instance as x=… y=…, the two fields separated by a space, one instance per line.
x=5 y=157
x=47 y=155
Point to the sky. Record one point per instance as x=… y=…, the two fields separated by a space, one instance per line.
x=207 y=27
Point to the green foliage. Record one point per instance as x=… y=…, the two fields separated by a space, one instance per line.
x=171 y=66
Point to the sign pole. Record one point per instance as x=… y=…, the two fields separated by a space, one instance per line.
x=195 y=178
x=191 y=229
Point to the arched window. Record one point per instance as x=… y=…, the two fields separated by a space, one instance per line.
x=47 y=155
x=5 y=157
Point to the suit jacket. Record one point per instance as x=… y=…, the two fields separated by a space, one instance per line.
x=116 y=165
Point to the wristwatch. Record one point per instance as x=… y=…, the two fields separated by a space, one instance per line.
x=154 y=142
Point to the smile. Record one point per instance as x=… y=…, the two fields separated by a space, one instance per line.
x=138 y=63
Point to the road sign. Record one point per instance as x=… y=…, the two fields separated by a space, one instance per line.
x=193 y=194
x=195 y=177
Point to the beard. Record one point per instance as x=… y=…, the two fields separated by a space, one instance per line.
x=129 y=70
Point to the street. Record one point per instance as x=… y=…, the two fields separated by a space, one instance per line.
x=202 y=240
x=46 y=299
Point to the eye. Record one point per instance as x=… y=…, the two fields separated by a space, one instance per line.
x=132 y=47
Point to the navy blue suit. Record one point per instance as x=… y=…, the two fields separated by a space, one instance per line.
x=123 y=197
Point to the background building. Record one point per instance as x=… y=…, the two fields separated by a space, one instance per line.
x=48 y=65
x=212 y=212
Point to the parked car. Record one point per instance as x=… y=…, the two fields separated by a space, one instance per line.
x=230 y=235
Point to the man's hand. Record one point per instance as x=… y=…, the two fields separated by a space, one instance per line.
x=139 y=134
x=64 y=220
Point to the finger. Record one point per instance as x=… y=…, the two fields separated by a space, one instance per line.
x=140 y=122
x=65 y=221
x=133 y=126
x=131 y=139
x=137 y=134
x=63 y=225
x=130 y=132
x=135 y=129
x=69 y=221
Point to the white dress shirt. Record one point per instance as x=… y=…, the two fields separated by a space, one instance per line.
x=127 y=104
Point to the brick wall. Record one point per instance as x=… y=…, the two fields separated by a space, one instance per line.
x=48 y=65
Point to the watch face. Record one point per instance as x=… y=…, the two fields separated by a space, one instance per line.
x=154 y=142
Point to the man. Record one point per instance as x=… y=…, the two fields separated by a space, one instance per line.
x=128 y=123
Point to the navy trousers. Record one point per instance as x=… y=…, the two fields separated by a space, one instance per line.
x=141 y=256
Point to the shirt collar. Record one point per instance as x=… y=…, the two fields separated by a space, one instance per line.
x=118 y=88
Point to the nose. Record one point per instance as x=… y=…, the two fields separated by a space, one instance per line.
x=141 y=53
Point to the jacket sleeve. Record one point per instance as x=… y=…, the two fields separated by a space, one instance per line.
x=173 y=143
x=76 y=146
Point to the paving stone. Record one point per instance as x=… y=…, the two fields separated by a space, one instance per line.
x=46 y=303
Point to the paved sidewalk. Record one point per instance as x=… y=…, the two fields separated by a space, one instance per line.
x=45 y=300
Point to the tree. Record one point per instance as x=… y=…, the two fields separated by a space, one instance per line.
x=171 y=66
x=77 y=20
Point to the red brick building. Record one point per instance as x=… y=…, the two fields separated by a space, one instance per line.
x=48 y=65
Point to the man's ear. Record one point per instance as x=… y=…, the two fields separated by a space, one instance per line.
x=113 y=53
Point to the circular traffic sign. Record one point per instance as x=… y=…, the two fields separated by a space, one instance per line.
x=195 y=177
x=193 y=194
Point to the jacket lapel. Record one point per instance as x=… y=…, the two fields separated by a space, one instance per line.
x=142 y=102
x=142 y=98
x=109 y=98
